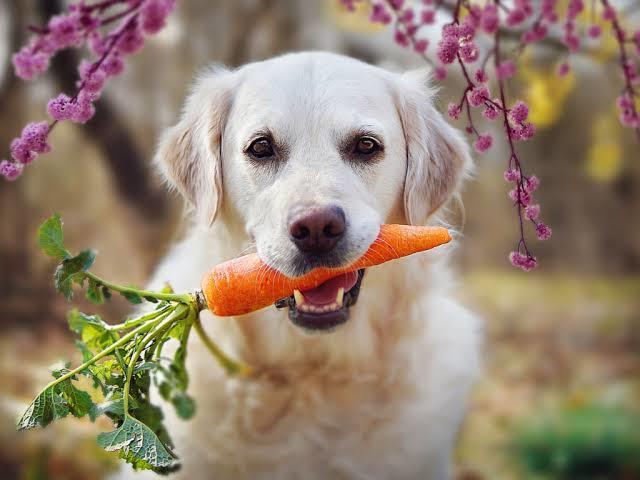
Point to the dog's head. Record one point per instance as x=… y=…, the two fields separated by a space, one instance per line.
x=312 y=152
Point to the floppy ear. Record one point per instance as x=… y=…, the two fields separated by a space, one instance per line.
x=437 y=154
x=189 y=153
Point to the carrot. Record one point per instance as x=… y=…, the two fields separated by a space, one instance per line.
x=246 y=284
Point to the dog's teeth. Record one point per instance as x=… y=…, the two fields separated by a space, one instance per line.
x=298 y=297
x=340 y=297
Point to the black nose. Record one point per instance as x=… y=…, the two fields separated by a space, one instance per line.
x=316 y=229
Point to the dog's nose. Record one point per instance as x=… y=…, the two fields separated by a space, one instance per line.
x=317 y=229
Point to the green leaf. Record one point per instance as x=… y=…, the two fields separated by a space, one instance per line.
x=72 y=270
x=132 y=297
x=45 y=408
x=113 y=407
x=55 y=402
x=79 y=401
x=50 y=238
x=185 y=405
x=93 y=331
x=95 y=292
x=138 y=443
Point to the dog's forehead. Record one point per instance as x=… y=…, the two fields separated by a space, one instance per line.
x=311 y=89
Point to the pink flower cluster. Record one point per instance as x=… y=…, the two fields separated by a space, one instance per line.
x=460 y=45
x=82 y=24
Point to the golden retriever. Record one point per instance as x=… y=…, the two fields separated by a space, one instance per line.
x=302 y=157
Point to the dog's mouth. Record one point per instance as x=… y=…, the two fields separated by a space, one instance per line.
x=326 y=306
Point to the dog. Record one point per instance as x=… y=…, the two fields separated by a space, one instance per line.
x=301 y=158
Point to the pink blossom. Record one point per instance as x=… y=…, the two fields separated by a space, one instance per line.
x=490 y=112
x=506 y=69
x=563 y=69
x=483 y=143
x=594 y=31
x=60 y=108
x=21 y=152
x=454 y=110
x=28 y=64
x=515 y=17
x=112 y=65
x=636 y=40
x=407 y=15
x=512 y=175
x=379 y=14
x=478 y=95
x=608 y=13
x=519 y=112
x=428 y=17
x=10 y=170
x=154 y=14
x=548 y=10
x=65 y=30
x=481 y=76
x=440 y=72
x=532 y=212
x=531 y=183
x=83 y=112
x=537 y=33
x=523 y=132
x=91 y=78
x=34 y=136
x=469 y=52
x=524 y=262
x=489 y=21
x=396 y=4
x=401 y=38
x=574 y=8
x=448 y=49
x=571 y=41
x=520 y=196
x=543 y=232
x=421 y=45
x=131 y=40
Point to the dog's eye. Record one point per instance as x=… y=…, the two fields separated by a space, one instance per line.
x=367 y=146
x=261 y=148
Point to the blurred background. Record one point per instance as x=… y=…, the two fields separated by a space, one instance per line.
x=561 y=390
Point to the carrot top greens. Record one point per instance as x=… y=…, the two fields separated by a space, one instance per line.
x=122 y=360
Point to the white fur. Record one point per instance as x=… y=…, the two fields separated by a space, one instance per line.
x=383 y=395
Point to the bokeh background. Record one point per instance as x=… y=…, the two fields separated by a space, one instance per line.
x=560 y=392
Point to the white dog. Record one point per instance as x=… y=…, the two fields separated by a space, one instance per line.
x=304 y=156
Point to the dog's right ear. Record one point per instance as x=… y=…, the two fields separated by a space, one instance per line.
x=189 y=153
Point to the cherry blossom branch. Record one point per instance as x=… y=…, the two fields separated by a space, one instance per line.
x=497 y=20
x=82 y=25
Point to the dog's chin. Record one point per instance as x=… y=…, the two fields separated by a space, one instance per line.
x=324 y=308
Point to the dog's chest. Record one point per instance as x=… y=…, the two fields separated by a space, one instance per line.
x=278 y=428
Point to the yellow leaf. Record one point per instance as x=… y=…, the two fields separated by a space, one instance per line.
x=605 y=156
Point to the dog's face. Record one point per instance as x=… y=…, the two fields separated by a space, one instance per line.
x=312 y=152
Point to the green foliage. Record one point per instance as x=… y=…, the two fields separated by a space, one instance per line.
x=55 y=402
x=589 y=442
x=50 y=238
x=138 y=444
x=121 y=360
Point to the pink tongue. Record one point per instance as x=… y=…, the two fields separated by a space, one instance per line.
x=325 y=293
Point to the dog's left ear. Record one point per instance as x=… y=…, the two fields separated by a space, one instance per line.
x=437 y=154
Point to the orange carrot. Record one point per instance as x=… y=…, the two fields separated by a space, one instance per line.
x=246 y=284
